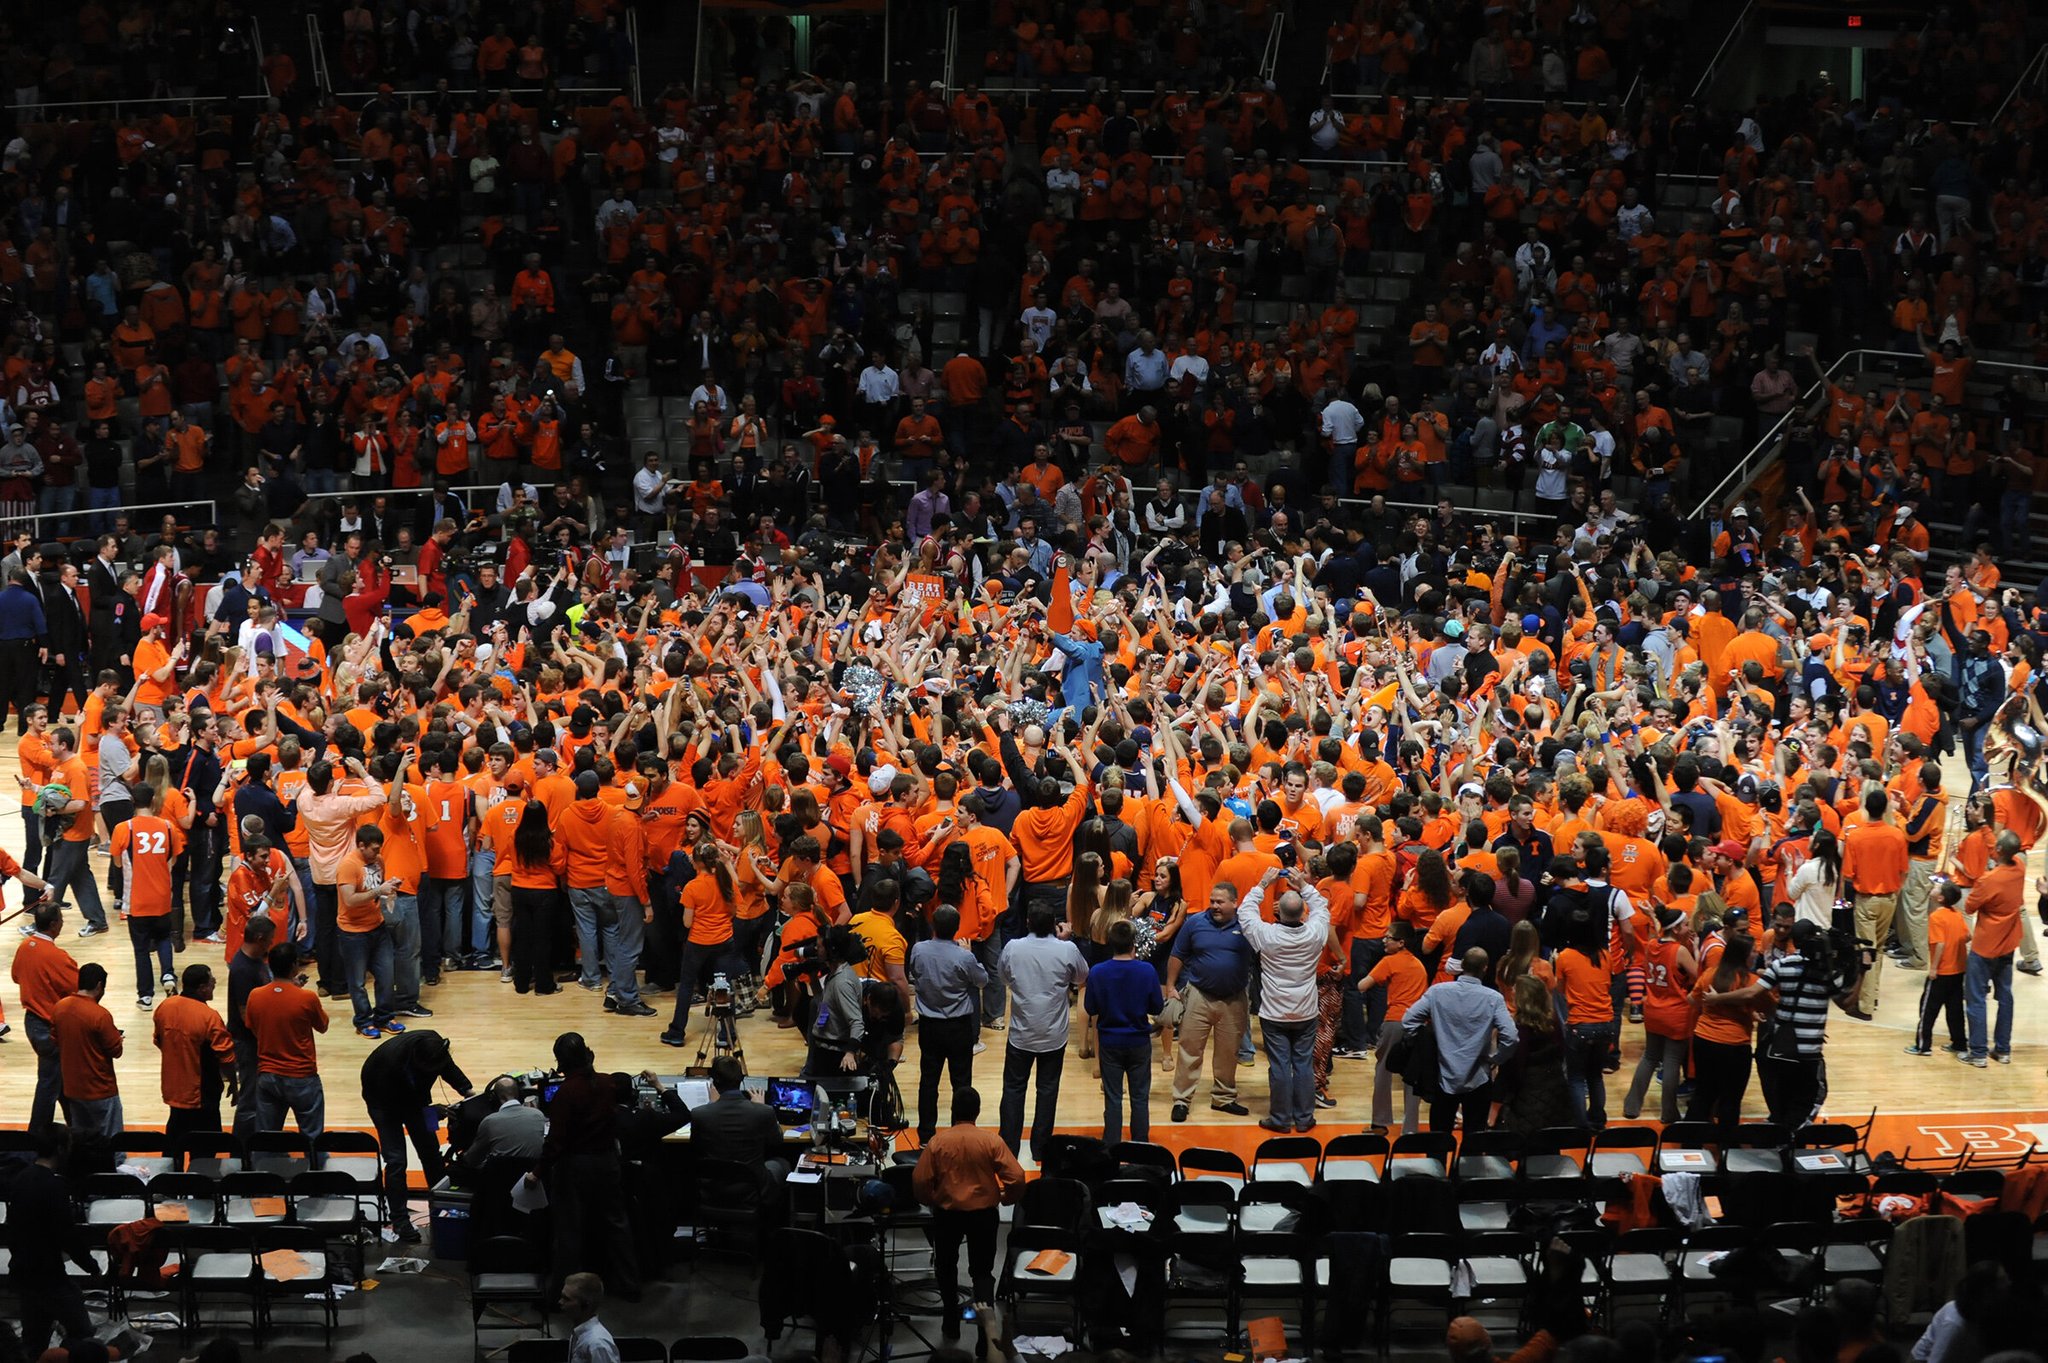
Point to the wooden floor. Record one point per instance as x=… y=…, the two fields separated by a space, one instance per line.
x=495 y=1031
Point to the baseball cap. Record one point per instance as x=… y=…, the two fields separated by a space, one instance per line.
x=150 y=622
x=635 y=797
x=842 y=764
x=880 y=777
x=587 y=785
x=1730 y=848
x=1900 y=516
x=1739 y=513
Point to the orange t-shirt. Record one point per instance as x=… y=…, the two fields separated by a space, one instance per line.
x=87 y=1042
x=710 y=912
x=249 y=891
x=283 y=1017
x=72 y=776
x=1947 y=929
x=1874 y=858
x=186 y=1031
x=446 y=845
x=44 y=973
x=1587 y=987
x=1402 y=974
x=147 y=841
x=355 y=874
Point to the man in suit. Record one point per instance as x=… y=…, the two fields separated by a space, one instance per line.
x=733 y=1127
x=103 y=585
x=67 y=639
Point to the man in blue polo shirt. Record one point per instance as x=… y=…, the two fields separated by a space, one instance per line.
x=1209 y=974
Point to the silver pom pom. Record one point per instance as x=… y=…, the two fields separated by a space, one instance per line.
x=1030 y=711
x=863 y=686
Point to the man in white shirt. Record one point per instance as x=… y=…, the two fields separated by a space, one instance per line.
x=878 y=387
x=709 y=391
x=1038 y=319
x=1188 y=364
x=1290 y=952
x=650 y=493
x=1342 y=425
x=589 y=1341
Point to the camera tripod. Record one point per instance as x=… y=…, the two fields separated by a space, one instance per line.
x=721 y=1035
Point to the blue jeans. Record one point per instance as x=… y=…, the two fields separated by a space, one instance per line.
x=1588 y=1046
x=2014 y=509
x=303 y=869
x=1973 y=752
x=1343 y=461
x=1121 y=1064
x=102 y=501
x=588 y=906
x=622 y=942
x=302 y=1096
x=67 y=870
x=442 y=902
x=49 y=1073
x=366 y=959
x=1988 y=974
x=1290 y=1053
x=483 y=863
x=58 y=501
x=989 y=951
x=402 y=928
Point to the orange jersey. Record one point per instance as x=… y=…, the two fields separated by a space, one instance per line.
x=146 y=841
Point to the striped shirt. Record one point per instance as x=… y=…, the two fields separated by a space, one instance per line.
x=1802 y=990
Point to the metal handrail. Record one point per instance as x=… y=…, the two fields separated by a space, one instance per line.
x=316 y=50
x=256 y=43
x=952 y=52
x=2032 y=71
x=86 y=513
x=1713 y=66
x=360 y=494
x=1745 y=470
x=633 y=39
x=1269 y=56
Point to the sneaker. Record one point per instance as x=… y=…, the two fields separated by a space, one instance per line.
x=393 y=1026
x=407 y=1234
x=212 y=937
x=2002 y=1057
x=371 y=1032
x=1957 y=1050
x=635 y=1009
x=5 y=1028
x=1325 y=1100
x=91 y=930
x=1635 y=1012
x=2028 y=967
x=27 y=929
x=1349 y=1053
x=1180 y=1112
x=415 y=1012
x=611 y=1005
x=144 y=1002
x=1231 y=1109
x=995 y=1026
x=170 y=984
x=1979 y=1061
x=671 y=1039
x=1919 y=1050
x=504 y=977
x=980 y=1046
x=1904 y=964
x=432 y=980
x=1304 y=1127
x=591 y=986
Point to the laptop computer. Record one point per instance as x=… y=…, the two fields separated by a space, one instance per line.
x=309 y=571
x=793 y=1100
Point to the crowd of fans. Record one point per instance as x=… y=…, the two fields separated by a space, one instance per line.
x=752 y=533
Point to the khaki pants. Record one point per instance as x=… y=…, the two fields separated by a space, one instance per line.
x=1874 y=924
x=1202 y=1020
x=1914 y=897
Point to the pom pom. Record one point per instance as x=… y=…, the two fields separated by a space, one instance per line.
x=1030 y=711
x=863 y=686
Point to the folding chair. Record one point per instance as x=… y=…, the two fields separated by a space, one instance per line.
x=1812 y=1143
x=640 y=1349
x=196 y=1197
x=217 y=1262
x=1556 y=1152
x=327 y=1201
x=1852 y=1249
x=1488 y=1155
x=1280 y=1230
x=1355 y=1156
x=293 y=1265
x=286 y=1154
x=537 y=1351
x=1143 y=1193
x=1056 y=1203
x=1487 y=1204
x=1640 y=1265
x=1019 y=1282
x=1756 y=1148
x=1145 y=1155
x=1798 y=1246
x=1427 y=1154
x=1201 y=1243
x=1199 y=1162
x=111 y=1199
x=506 y=1272
x=145 y=1153
x=253 y=1199
x=356 y=1154
x=1417 y=1203
x=1696 y=1279
x=1620 y=1151
x=1688 y=1148
x=212 y=1153
x=707 y=1349
x=1419 y=1272
x=1503 y=1269
x=1290 y=1159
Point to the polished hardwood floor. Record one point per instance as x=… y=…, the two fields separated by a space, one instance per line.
x=494 y=1030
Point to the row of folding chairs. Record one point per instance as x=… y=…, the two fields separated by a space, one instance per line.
x=1562 y=1152
x=635 y=1349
